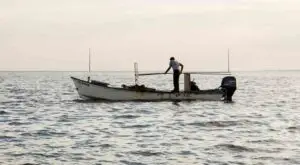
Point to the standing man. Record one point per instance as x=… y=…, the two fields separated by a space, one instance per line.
x=176 y=72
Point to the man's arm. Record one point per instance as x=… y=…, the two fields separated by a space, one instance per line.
x=181 y=67
x=167 y=70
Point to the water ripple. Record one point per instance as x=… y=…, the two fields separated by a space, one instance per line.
x=138 y=126
x=215 y=123
x=126 y=116
x=146 y=153
x=3 y=112
x=234 y=148
x=131 y=163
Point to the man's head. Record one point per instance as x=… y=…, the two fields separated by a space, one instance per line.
x=172 y=58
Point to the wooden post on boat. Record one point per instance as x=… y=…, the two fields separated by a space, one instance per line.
x=187 y=82
x=136 y=73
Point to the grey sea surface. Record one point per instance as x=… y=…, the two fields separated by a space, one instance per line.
x=43 y=121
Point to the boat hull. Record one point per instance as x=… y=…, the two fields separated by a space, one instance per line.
x=87 y=90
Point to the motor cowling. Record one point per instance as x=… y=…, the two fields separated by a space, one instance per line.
x=228 y=86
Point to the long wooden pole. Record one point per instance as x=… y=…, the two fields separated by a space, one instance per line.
x=203 y=73
x=149 y=74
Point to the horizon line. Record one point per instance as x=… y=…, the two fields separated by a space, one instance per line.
x=145 y=70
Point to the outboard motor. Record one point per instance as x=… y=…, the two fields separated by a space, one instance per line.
x=228 y=86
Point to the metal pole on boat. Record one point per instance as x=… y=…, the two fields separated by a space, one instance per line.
x=228 y=62
x=89 y=64
x=136 y=73
x=89 y=60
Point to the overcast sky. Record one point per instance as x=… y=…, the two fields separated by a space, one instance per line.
x=57 y=34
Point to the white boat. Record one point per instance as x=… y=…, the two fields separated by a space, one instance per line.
x=97 y=90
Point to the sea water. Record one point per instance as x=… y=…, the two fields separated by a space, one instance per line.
x=43 y=121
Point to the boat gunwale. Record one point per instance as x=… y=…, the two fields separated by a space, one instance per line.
x=208 y=91
x=99 y=99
